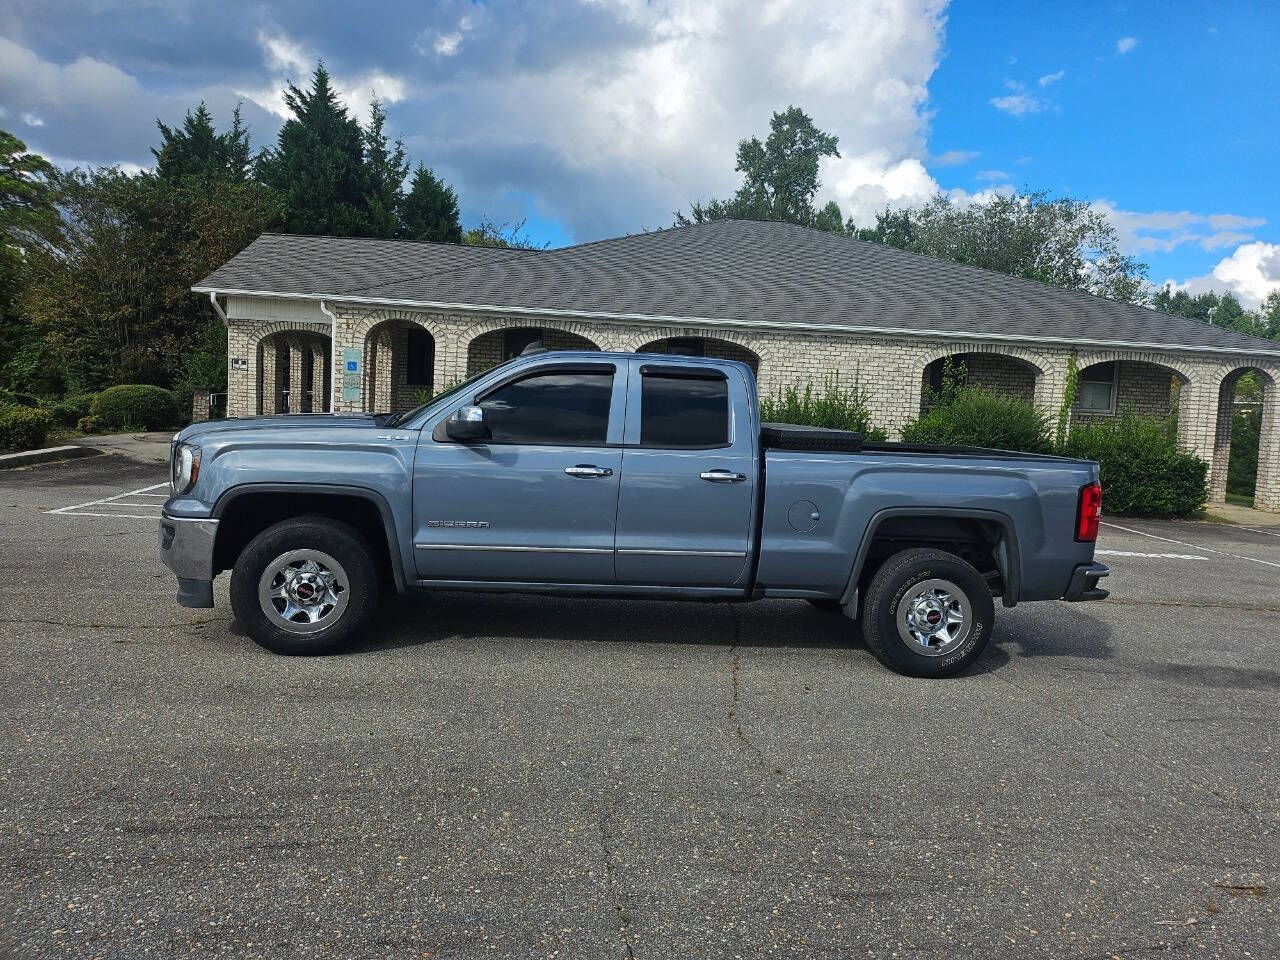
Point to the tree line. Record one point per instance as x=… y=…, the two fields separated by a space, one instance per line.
x=96 y=265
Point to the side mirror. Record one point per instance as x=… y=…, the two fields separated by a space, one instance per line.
x=467 y=425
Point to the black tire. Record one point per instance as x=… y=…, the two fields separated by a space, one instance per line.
x=338 y=542
x=889 y=589
x=827 y=605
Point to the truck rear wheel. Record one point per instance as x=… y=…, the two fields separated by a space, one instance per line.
x=305 y=586
x=927 y=613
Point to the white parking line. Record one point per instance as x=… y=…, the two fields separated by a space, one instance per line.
x=119 y=500
x=1154 y=556
x=1183 y=543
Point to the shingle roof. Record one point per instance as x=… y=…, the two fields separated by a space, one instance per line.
x=744 y=271
x=283 y=263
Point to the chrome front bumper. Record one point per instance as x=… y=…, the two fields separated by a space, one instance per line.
x=186 y=546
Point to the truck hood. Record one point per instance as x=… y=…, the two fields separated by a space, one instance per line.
x=284 y=421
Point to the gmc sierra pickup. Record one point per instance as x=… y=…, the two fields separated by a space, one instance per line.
x=622 y=475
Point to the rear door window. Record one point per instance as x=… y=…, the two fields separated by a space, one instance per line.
x=679 y=410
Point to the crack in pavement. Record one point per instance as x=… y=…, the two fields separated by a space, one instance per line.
x=735 y=709
x=611 y=879
x=93 y=625
x=1144 y=602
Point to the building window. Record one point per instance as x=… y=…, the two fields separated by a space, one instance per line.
x=421 y=349
x=515 y=342
x=1097 y=390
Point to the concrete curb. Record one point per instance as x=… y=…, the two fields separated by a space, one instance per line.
x=45 y=455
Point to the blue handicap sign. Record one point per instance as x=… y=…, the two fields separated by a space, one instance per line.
x=351 y=366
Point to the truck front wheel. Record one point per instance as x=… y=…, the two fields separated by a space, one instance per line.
x=305 y=586
x=927 y=613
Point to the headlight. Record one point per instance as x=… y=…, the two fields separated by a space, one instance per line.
x=184 y=467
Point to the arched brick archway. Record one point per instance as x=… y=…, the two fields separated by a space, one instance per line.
x=703 y=347
x=292 y=372
x=399 y=364
x=1248 y=408
x=999 y=372
x=494 y=346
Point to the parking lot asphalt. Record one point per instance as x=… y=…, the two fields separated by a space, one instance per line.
x=508 y=776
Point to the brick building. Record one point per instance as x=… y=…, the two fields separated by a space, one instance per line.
x=404 y=319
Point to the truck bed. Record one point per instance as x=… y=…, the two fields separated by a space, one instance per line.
x=789 y=436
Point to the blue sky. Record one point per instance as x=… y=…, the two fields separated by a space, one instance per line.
x=593 y=118
x=1181 y=119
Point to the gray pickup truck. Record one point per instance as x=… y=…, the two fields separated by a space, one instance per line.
x=633 y=475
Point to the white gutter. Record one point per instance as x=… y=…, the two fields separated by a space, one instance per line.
x=217 y=308
x=667 y=321
x=333 y=351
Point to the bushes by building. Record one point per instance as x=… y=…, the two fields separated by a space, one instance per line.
x=834 y=407
x=1143 y=470
x=974 y=417
x=135 y=406
x=23 y=428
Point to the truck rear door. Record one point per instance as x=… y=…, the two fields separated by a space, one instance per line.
x=685 y=506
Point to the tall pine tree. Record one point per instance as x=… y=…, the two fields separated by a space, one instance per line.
x=318 y=165
x=430 y=211
x=385 y=170
x=196 y=149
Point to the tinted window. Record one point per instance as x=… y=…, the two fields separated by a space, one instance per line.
x=559 y=406
x=684 y=411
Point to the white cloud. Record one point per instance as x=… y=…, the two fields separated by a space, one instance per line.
x=1049 y=78
x=287 y=60
x=1251 y=272
x=1125 y=44
x=1165 y=230
x=991 y=175
x=1018 y=102
x=953 y=158
x=616 y=113
x=31 y=120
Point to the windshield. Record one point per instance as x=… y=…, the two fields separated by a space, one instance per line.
x=443 y=397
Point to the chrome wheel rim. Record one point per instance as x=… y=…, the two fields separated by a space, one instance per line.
x=934 y=617
x=303 y=591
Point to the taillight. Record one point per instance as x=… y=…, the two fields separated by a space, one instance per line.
x=1088 y=512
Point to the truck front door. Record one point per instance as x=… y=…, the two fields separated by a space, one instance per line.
x=538 y=501
x=685 y=509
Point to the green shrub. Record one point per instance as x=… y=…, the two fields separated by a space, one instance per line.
x=135 y=406
x=1143 y=471
x=18 y=398
x=68 y=411
x=23 y=428
x=974 y=417
x=1242 y=471
x=90 y=424
x=834 y=407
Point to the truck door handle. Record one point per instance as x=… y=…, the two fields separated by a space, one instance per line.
x=722 y=476
x=588 y=470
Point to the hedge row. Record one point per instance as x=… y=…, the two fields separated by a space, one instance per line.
x=1142 y=468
